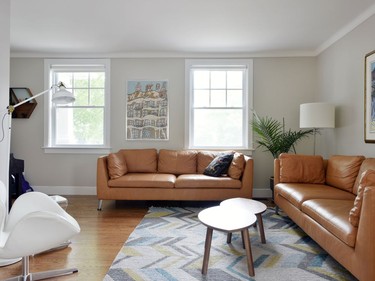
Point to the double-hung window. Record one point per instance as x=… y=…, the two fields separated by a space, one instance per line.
x=81 y=126
x=219 y=98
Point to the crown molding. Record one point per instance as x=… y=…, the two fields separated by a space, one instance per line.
x=346 y=29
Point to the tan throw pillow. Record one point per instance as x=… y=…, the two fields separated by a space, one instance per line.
x=342 y=170
x=367 y=179
x=116 y=165
x=236 y=167
x=367 y=164
x=301 y=168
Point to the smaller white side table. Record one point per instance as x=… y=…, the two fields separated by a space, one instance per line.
x=252 y=207
x=227 y=220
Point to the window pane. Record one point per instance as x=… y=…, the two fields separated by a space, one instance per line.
x=82 y=97
x=234 y=98
x=201 y=98
x=65 y=77
x=97 y=97
x=235 y=79
x=218 y=98
x=201 y=79
x=81 y=80
x=215 y=127
x=218 y=79
x=79 y=126
x=97 y=79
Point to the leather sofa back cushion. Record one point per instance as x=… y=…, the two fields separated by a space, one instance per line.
x=116 y=165
x=342 y=171
x=237 y=166
x=177 y=162
x=367 y=179
x=204 y=158
x=297 y=168
x=141 y=160
x=367 y=164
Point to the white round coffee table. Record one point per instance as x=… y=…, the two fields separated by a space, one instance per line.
x=227 y=220
x=252 y=207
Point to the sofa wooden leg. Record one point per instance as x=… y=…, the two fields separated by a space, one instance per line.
x=100 y=203
x=277 y=210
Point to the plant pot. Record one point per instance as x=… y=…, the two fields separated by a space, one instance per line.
x=271 y=186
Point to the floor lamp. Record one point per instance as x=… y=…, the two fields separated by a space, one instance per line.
x=317 y=116
x=60 y=96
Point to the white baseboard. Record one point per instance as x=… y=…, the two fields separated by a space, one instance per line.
x=66 y=190
x=91 y=190
x=262 y=193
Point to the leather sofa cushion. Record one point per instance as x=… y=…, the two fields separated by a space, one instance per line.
x=204 y=158
x=203 y=181
x=332 y=214
x=141 y=160
x=367 y=179
x=367 y=164
x=116 y=165
x=342 y=171
x=177 y=161
x=144 y=180
x=237 y=166
x=301 y=168
x=297 y=193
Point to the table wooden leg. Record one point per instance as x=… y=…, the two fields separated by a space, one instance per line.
x=229 y=237
x=261 y=228
x=207 y=248
x=246 y=240
x=243 y=240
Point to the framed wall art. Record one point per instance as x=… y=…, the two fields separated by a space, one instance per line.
x=370 y=98
x=147 y=114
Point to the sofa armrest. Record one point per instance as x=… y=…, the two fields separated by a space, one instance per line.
x=102 y=176
x=365 y=246
x=248 y=175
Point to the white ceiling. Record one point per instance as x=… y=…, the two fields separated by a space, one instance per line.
x=131 y=28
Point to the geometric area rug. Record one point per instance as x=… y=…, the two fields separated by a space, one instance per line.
x=168 y=245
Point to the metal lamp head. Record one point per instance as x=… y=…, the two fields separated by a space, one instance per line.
x=62 y=95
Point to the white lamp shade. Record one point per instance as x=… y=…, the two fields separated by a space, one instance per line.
x=317 y=115
x=63 y=96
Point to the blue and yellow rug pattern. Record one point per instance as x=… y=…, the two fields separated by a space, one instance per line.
x=168 y=245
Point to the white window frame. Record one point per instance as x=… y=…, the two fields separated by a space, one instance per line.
x=49 y=147
x=191 y=64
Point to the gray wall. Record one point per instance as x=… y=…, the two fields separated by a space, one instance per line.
x=280 y=85
x=341 y=81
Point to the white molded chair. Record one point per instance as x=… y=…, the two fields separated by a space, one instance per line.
x=35 y=223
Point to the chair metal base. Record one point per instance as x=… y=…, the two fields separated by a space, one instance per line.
x=27 y=276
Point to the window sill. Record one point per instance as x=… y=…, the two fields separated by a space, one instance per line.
x=78 y=150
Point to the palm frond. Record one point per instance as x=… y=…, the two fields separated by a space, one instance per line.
x=272 y=136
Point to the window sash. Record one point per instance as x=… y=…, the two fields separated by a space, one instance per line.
x=246 y=96
x=55 y=67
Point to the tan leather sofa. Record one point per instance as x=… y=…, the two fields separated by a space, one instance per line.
x=333 y=201
x=146 y=174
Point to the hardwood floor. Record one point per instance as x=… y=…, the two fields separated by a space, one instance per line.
x=102 y=235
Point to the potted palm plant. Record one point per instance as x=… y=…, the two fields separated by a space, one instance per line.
x=272 y=136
